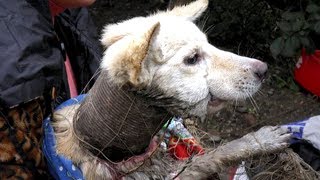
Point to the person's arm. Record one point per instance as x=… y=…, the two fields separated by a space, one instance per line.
x=30 y=59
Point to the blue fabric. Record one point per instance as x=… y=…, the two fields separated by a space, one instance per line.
x=59 y=166
x=297 y=129
x=308 y=130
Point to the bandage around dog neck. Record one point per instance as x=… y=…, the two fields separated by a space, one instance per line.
x=115 y=123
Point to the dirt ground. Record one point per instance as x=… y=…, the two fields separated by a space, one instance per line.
x=274 y=105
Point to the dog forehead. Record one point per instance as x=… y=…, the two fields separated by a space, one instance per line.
x=179 y=30
x=175 y=33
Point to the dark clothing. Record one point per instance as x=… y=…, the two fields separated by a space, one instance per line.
x=32 y=59
x=32 y=63
x=308 y=153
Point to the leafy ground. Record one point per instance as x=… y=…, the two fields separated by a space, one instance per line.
x=277 y=104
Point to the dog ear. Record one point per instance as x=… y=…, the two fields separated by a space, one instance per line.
x=114 y=32
x=123 y=59
x=190 y=11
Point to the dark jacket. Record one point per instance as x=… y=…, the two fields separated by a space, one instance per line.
x=31 y=54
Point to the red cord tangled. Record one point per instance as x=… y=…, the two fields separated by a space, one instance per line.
x=184 y=148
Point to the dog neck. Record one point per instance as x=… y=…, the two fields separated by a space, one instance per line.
x=116 y=123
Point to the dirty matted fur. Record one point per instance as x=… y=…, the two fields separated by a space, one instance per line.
x=167 y=58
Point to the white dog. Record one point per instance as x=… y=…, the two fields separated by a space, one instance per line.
x=155 y=67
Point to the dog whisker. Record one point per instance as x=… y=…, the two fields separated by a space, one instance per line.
x=256 y=104
x=252 y=101
x=208 y=28
x=261 y=93
x=236 y=102
x=239 y=47
x=252 y=54
x=204 y=21
x=90 y=80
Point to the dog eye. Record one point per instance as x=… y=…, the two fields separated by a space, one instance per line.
x=192 y=60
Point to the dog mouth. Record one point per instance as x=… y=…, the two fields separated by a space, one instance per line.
x=215 y=101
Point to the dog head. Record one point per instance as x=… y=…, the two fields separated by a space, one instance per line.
x=168 y=58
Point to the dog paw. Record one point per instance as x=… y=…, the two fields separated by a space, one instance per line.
x=269 y=138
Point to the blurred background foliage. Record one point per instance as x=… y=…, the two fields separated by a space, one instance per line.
x=274 y=31
x=258 y=27
x=298 y=30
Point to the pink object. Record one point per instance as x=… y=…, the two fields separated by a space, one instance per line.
x=55 y=10
x=71 y=80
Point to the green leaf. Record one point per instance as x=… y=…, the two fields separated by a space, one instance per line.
x=311 y=48
x=291 y=46
x=311 y=8
x=314 y=17
x=297 y=25
x=286 y=15
x=292 y=16
x=280 y=83
x=294 y=42
x=305 y=41
x=303 y=33
x=306 y=25
x=316 y=27
x=292 y=85
x=284 y=27
x=277 y=46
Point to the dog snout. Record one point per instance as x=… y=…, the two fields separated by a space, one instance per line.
x=260 y=70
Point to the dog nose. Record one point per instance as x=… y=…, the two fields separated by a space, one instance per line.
x=260 y=70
